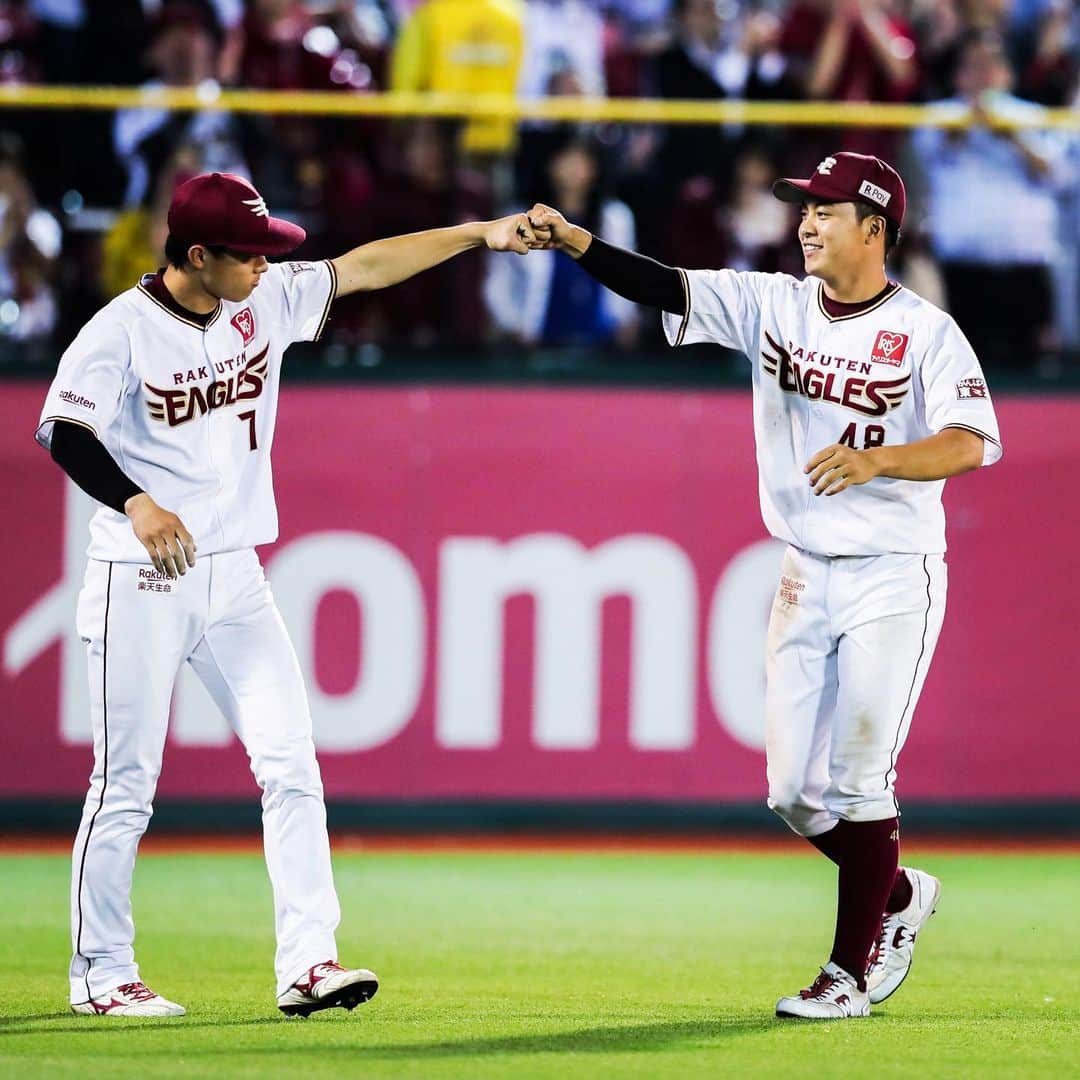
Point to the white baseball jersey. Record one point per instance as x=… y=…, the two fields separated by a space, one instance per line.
x=893 y=373
x=188 y=411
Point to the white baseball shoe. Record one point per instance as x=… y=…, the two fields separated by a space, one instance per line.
x=890 y=959
x=834 y=995
x=129 y=999
x=328 y=986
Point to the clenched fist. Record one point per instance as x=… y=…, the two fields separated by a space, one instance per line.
x=553 y=231
x=168 y=543
x=512 y=233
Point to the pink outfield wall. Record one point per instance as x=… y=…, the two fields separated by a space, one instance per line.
x=518 y=593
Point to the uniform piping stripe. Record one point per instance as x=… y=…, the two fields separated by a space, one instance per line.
x=180 y=318
x=911 y=688
x=105 y=776
x=70 y=420
x=329 y=300
x=855 y=314
x=973 y=430
x=686 y=318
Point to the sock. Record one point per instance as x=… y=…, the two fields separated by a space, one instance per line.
x=828 y=844
x=867 y=853
x=901 y=894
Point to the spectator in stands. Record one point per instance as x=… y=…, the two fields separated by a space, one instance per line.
x=850 y=50
x=547 y=299
x=426 y=188
x=135 y=242
x=363 y=27
x=230 y=18
x=30 y=242
x=938 y=26
x=286 y=47
x=469 y=47
x=690 y=68
x=641 y=16
x=993 y=214
x=59 y=32
x=1068 y=275
x=562 y=36
x=716 y=53
x=751 y=231
x=1051 y=73
x=183 y=51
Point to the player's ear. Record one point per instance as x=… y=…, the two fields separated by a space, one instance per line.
x=197 y=256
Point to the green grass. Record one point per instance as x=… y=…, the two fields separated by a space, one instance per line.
x=555 y=965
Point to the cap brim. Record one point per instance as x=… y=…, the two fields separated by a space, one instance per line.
x=280 y=238
x=792 y=191
x=798 y=191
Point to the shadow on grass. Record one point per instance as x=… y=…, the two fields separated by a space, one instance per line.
x=610 y=1039
x=597 y=1040
x=93 y=1025
x=9 y=1021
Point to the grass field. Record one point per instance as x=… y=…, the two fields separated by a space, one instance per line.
x=555 y=965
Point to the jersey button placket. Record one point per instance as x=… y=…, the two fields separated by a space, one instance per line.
x=210 y=422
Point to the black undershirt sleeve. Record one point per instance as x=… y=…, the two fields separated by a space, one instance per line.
x=77 y=451
x=635 y=277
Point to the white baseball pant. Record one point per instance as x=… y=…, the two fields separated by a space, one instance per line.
x=850 y=642
x=139 y=627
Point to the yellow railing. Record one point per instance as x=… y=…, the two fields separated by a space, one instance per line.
x=625 y=110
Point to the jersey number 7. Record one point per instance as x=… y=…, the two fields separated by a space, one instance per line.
x=249 y=416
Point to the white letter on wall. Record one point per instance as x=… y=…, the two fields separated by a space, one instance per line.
x=477 y=575
x=738 y=626
x=391 y=601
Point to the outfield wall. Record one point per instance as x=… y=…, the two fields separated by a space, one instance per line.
x=557 y=595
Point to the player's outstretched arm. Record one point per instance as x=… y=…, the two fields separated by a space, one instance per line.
x=948 y=453
x=633 y=276
x=386 y=262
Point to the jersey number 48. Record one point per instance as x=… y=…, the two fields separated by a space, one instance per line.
x=874 y=435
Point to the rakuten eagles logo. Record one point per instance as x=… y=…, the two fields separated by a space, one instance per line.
x=803 y=372
x=178 y=406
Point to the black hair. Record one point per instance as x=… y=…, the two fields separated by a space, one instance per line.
x=892 y=230
x=176 y=250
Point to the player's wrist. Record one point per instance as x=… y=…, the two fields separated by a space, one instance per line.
x=139 y=501
x=879 y=459
x=478 y=234
x=577 y=241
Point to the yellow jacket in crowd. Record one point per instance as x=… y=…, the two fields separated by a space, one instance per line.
x=464 y=47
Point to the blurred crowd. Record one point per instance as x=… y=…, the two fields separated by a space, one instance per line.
x=994 y=221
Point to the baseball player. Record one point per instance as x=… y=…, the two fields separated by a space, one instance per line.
x=163 y=409
x=866 y=398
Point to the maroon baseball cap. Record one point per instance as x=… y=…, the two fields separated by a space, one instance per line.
x=844 y=177
x=221 y=208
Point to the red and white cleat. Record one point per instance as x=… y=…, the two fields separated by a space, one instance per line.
x=129 y=999
x=890 y=959
x=834 y=995
x=328 y=986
